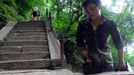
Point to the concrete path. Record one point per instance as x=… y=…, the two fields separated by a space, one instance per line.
x=55 y=72
x=39 y=72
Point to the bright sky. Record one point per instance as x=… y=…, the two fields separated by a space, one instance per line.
x=106 y=2
x=117 y=8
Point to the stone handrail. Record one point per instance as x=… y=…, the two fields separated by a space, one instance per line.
x=56 y=46
x=6 y=29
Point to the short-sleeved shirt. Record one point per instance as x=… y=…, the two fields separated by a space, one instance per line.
x=35 y=12
x=97 y=41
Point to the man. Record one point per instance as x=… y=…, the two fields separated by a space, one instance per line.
x=92 y=37
x=35 y=14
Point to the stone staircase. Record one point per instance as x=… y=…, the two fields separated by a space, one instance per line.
x=25 y=47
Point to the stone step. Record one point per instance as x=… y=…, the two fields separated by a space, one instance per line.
x=26 y=48
x=29 y=28
x=8 y=56
x=41 y=26
x=4 y=49
x=24 y=42
x=37 y=29
x=24 y=31
x=31 y=23
x=35 y=48
x=25 y=64
x=28 y=34
x=25 y=38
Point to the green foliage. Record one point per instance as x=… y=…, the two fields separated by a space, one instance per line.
x=130 y=59
x=20 y=9
x=24 y=7
x=9 y=12
x=76 y=61
x=125 y=24
x=114 y=53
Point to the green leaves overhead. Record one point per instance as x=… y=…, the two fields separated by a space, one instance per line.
x=21 y=7
x=9 y=12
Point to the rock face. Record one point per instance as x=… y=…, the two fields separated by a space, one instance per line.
x=25 y=47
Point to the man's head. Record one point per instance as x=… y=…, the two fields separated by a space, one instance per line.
x=92 y=8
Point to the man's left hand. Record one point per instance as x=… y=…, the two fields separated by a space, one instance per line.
x=122 y=66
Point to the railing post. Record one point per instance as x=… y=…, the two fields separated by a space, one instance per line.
x=63 y=60
x=47 y=14
x=50 y=19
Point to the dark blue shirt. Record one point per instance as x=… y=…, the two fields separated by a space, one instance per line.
x=97 y=40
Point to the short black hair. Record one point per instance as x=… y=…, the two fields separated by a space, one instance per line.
x=95 y=2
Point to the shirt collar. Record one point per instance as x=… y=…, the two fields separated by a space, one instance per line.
x=102 y=20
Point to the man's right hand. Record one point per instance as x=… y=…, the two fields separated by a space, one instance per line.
x=86 y=56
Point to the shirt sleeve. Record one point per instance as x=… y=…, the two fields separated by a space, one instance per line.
x=80 y=37
x=116 y=36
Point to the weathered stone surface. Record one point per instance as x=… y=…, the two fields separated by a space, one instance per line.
x=29 y=28
x=26 y=38
x=56 y=72
x=24 y=64
x=24 y=42
x=39 y=72
x=24 y=31
x=23 y=56
x=35 y=48
x=27 y=34
x=31 y=23
x=4 y=49
x=6 y=29
x=54 y=50
x=25 y=47
x=116 y=73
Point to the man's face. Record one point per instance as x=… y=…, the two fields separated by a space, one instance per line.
x=93 y=11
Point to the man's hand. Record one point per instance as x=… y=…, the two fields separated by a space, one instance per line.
x=122 y=66
x=86 y=56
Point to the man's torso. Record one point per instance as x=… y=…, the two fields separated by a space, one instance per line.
x=97 y=41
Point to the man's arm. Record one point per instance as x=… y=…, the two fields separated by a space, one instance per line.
x=81 y=44
x=80 y=37
x=121 y=63
x=119 y=45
